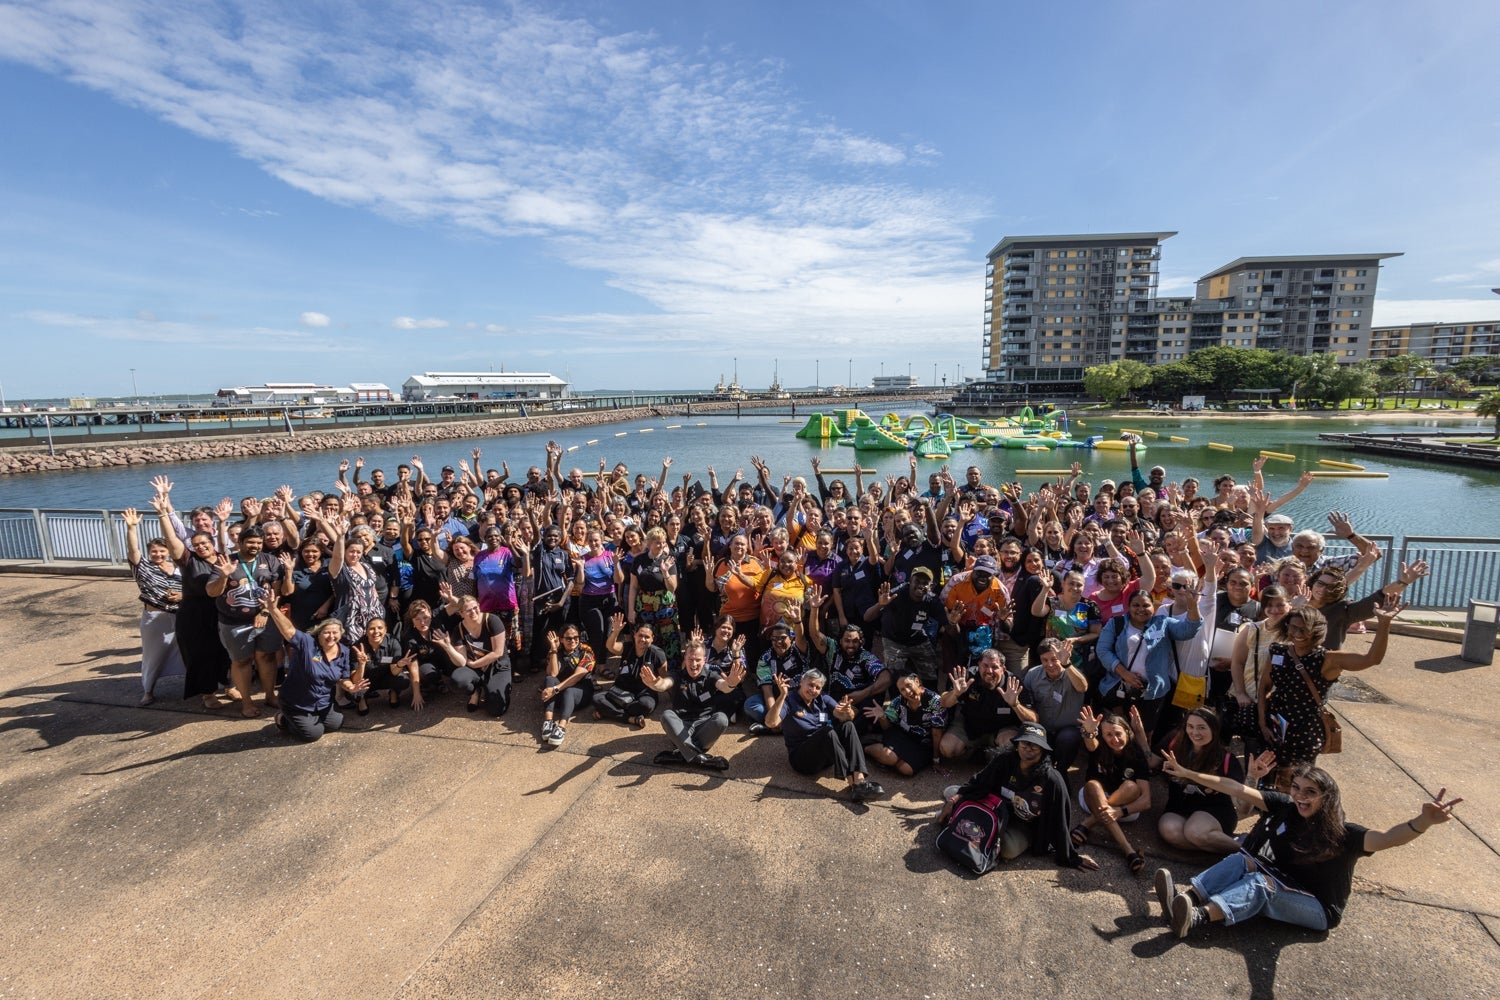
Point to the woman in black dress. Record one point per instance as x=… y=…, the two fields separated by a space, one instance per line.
x=203 y=655
x=1296 y=677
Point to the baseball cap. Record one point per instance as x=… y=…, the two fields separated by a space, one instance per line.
x=921 y=571
x=986 y=564
x=1032 y=732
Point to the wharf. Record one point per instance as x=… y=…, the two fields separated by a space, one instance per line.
x=173 y=852
x=1427 y=445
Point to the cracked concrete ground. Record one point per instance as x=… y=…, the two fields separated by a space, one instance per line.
x=179 y=853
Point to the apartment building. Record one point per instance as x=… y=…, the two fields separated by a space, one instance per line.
x=1440 y=343
x=1306 y=304
x=1055 y=305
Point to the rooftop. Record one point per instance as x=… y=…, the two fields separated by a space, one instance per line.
x=1334 y=259
x=1078 y=240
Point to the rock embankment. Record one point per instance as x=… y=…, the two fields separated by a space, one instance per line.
x=204 y=449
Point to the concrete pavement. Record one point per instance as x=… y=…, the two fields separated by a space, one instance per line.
x=173 y=852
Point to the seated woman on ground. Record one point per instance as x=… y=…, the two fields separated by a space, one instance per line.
x=1195 y=816
x=418 y=642
x=387 y=668
x=568 y=683
x=911 y=727
x=316 y=663
x=625 y=687
x=1117 y=786
x=476 y=650
x=1297 y=865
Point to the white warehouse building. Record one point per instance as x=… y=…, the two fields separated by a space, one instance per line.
x=483 y=385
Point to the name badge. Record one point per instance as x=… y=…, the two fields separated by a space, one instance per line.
x=822 y=717
x=387 y=660
x=1278 y=659
x=1057 y=696
x=859 y=574
x=705 y=696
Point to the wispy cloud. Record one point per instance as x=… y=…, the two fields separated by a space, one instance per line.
x=1482 y=274
x=148 y=329
x=695 y=183
x=314 y=319
x=412 y=323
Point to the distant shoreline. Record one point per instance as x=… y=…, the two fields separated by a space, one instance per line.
x=1371 y=416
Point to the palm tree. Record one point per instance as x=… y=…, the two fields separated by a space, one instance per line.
x=1489 y=406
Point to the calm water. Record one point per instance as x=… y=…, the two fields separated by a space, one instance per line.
x=1419 y=498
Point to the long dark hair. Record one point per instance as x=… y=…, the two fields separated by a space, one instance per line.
x=1325 y=828
x=1209 y=760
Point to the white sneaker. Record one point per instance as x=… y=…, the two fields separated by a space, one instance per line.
x=555 y=737
x=547 y=726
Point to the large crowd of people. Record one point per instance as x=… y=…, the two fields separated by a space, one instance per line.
x=1082 y=647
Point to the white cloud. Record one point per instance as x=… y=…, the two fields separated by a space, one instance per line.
x=411 y=323
x=692 y=181
x=1485 y=272
x=202 y=337
x=494 y=328
x=1400 y=312
x=315 y=319
x=1176 y=284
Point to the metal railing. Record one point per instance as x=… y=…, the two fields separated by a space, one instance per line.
x=1461 y=569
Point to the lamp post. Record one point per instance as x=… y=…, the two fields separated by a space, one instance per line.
x=135 y=394
x=851 y=374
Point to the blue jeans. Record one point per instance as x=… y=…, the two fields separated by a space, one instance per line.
x=1242 y=894
x=755 y=708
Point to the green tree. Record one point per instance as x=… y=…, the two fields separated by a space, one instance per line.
x=1475 y=367
x=1489 y=406
x=1116 y=380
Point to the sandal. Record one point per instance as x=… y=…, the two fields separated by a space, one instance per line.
x=1079 y=835
x=1137 y=862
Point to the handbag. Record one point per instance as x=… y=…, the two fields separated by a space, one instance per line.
x=1191 y=690
x=1333 y=733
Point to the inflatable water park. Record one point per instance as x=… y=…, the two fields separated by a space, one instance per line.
x=938 y=437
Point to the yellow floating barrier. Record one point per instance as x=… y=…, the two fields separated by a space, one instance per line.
x=647 y=430
x=1341 y=465
x=1044 y=472
x=1111 y=445
x=1152 y=434
x=1129 y=430
x=675 y=427
x=840 y=472
x=1179 y=440
x=1280 y=456
x=700 y=425
x=622 y=434
x=1216 y=446
x=1080 y=423
x=1350 y=475
x=572 y=447
x=595 y=441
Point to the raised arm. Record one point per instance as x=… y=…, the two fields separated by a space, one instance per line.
x=1215 y=782
x=1434 y=812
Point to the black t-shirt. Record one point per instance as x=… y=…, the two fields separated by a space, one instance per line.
x=695 y=696
x=858 y=586
x=240 y=602
x=552 y=574
x=985 y=710
x=1112 y=769
x=426 y=574
x=313 y=589
x=1026 y=628
x=912 y=622
x=629 y=677
x=650 y=573
x=909 y=557
x=1276 y=841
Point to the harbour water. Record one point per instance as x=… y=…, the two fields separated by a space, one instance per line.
x=1419 y=498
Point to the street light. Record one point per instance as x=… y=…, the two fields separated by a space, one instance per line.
x=135 y=394
x=851 y=374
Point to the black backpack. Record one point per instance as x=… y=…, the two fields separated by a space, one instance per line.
x=972 y=836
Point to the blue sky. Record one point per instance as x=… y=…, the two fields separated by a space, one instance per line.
x=638 y=194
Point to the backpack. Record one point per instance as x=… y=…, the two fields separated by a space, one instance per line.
x=972 y=836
